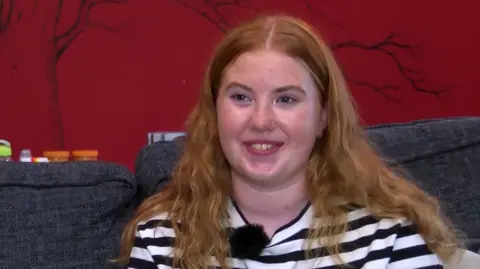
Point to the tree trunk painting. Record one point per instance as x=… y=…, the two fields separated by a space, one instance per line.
x=29 y=34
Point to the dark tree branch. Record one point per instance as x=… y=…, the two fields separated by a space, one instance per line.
x=317 y=12
x=2 y=4
x=82 y=22
x=55 y=97
x=212 y=10
x=59 y=13
x=4 y=23
x=386 y=47
x=383 y=90
x=202 y=13
x=110 y=28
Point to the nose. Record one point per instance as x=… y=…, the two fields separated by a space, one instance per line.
x=263 y=117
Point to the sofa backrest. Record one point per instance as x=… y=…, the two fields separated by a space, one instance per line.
x=66 y=215
x=442 y=156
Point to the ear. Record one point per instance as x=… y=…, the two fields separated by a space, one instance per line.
x=323 y=121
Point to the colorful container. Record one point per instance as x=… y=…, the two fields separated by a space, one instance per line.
x=57 y=156
x=85 y=155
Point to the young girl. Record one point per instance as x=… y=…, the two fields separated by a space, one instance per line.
x=277 y=173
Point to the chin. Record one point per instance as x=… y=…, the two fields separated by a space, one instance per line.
x=259 y=172
x=263 y=175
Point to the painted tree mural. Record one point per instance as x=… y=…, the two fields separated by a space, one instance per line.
x=48 y=42
x=391 y=46
x=39 y=20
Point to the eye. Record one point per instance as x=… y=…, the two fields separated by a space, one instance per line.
x=240 y=98
x=286 y=100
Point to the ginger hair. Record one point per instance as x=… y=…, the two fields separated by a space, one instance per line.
x=342 y=162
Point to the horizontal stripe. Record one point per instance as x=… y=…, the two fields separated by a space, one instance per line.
x=369 y=243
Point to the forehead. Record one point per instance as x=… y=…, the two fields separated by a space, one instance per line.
x=268 y=69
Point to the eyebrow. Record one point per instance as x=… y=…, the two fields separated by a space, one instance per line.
x=277 y=90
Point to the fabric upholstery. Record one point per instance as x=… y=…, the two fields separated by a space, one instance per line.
x=442 y=157
x=154 y=165
x=62 y=215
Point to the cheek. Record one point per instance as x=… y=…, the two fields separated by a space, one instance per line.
x=303 y=125
x=229 y=122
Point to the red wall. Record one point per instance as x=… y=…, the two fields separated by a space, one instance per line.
x=101 y=76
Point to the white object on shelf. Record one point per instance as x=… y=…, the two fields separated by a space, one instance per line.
x=25 y=156
x=153 y=137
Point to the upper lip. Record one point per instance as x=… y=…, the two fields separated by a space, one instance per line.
x=267 y=142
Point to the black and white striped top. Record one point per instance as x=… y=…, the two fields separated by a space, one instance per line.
x=369 y=243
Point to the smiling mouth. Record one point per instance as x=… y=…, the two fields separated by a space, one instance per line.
x=263 y=149
x=262 y=146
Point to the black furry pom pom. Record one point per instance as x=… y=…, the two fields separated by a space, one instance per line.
x=248 y=241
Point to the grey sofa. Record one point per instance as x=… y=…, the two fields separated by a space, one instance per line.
x=63 y=215
x=57 y=216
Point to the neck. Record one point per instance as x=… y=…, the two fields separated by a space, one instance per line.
x=270 y=207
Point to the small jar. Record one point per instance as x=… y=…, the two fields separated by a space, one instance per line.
x=5 y=153
x=85 y=155
x=57 y=156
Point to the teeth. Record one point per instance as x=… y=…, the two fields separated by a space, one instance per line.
x=262 y=146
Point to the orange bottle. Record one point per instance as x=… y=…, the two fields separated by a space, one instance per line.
x=57 y=156
x=85 y=155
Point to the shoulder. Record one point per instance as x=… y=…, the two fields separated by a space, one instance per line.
x=369 y=228
x=359 y=217
x=157 y=226
x=396 y=239
x=153 y=244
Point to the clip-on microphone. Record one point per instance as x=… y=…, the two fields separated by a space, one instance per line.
x=248 y=241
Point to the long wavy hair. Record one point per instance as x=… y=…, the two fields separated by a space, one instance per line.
x=342 y=162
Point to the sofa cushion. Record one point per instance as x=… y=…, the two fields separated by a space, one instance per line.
x=66 y=215
x=442 y=156
x=154 y=165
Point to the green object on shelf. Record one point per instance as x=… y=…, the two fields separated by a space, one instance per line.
x=5 y=151
x=5 y=143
